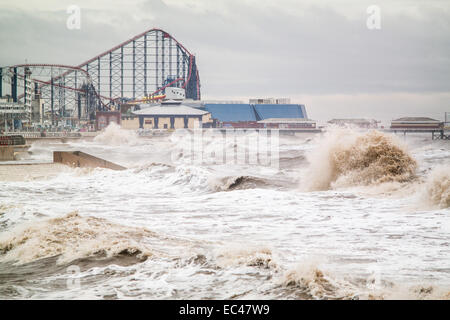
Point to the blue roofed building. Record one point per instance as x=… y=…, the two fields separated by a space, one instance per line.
x=268 y=111
x=239 y=112
x=258 y=113
x=224 y=112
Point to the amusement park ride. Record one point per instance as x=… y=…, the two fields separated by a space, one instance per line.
x=137 y=70
x=148 y=99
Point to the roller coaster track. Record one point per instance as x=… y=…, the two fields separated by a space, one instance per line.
x=140 y=66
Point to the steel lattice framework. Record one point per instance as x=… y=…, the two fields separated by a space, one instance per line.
x=141 y=66
x=66 y=91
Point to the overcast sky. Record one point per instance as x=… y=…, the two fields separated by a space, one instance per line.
x=319 y=53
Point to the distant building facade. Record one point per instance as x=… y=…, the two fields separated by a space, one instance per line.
x=270 y=101
x=296 y=124
x=416 y=123
x=290 y=123
x=168 y=115
x=179 y=113
x=359 y=123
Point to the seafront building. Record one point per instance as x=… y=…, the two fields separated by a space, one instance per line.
x=176 y=113
x=170 y=115
x=416 y=123
x=359 y=123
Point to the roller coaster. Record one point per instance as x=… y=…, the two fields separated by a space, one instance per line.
x=140 y=67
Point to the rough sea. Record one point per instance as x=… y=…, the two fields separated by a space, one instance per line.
x=345 y=214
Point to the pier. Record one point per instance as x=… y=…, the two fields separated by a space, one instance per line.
x=436 y=134
x=437 y=128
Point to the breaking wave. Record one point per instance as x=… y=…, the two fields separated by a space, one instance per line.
x=167 y=177
x=347 y=158
x=249 y=256
x=154 y=166
x=437 y=187
x=192 y=178
x=237 y=183
x=72 y=237
x=115 y=136
x=294 y=161
x=307 y=281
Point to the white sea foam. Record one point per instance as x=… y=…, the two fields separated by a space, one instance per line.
x=437 y=187
x=347 y=219
x=114 y=135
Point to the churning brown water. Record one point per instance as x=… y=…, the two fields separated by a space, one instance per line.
x=347 y=215
x=346 y=158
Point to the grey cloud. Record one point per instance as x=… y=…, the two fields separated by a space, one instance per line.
x=256 y=50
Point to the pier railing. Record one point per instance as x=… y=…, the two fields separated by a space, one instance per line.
x=11 y=140
x=37 y=134
x=438 y=133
